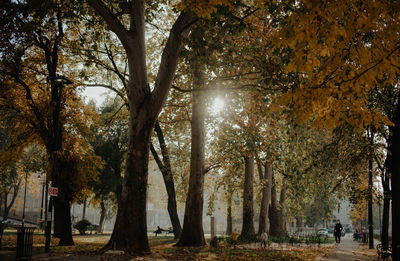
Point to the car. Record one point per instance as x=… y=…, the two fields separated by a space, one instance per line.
x=9 y=223
x=330 y=230
x=323 y=232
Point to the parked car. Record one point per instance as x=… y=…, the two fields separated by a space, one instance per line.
x=323 y=232
x=330 y=230
x=9 y=223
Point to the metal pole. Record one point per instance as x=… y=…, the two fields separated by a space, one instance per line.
x=41 y=203
x=48 y=221
x=23 y=209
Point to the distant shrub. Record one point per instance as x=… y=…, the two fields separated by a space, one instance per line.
x=82 y=226
x=248 y=239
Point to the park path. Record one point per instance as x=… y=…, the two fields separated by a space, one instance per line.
x=350 y=250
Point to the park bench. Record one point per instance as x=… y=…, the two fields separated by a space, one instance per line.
x=160 y=231
x=383 y=253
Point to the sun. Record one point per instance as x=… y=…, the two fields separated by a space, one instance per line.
x=217 y=105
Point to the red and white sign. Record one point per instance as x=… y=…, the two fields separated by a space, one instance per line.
x=53 y=191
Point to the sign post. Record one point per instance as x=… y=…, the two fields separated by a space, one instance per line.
x=53 y=192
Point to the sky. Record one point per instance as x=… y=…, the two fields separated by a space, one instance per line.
x=98 y=94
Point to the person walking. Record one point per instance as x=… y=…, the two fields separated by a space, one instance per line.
x=235 y=235
x=338 y=231
x=264 y=239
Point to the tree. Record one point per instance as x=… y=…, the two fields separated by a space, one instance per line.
x=344 y=50
x=166 y=171
x=192 y=232
x=266 y=178
x=130 y=233
x=10 y=180
x=41 y=102
x=110 y=143
x=30 y=161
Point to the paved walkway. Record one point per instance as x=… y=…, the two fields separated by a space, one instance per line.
x=350 y=250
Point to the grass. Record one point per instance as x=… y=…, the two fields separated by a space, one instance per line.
x=83 y=244
x=227 y=253
x=161 y=248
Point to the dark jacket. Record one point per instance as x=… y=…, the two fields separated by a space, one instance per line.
x=338 y=229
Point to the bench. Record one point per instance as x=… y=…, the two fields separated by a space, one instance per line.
x=160 y=231
x=383 y=253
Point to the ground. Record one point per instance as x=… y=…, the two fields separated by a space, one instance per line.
x=350 y=250
x=162 y=249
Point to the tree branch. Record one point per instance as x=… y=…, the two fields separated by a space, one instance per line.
x=112 y=21
x=116 y=70
x=211 y=167
x=156 y=157
x=169 y=59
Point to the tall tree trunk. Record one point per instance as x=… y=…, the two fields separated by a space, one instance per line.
x=282 y=211
x=84 y=208
x=62 y=213
x=370 y=188
x=385 y=178
x=111 y=244
x=166 y=171
x=102 y=217
x=248 y=198
x=1 y=223
x=229 y=219
x=273 y=211
x=266 y=198
x=385 y=222
x=130 y=232
x=192 y=232
x=61 y=202
x=394 y=149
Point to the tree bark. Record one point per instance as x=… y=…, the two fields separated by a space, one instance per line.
x=282 y=211
x=62 y=214
x=130 y=232
x=61 y=203
x=102 y=217
x=370 y=188
x=166 y=171
x=84 y=208
x=229 y=220
x=248 y=198
x=273 y=212
x=394 y=149
x=266 y=199
x=192 y=232
x=385 y=178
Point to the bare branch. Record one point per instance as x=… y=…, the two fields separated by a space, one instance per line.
x=211 y=167
x=116 y=70
x=112 y=117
